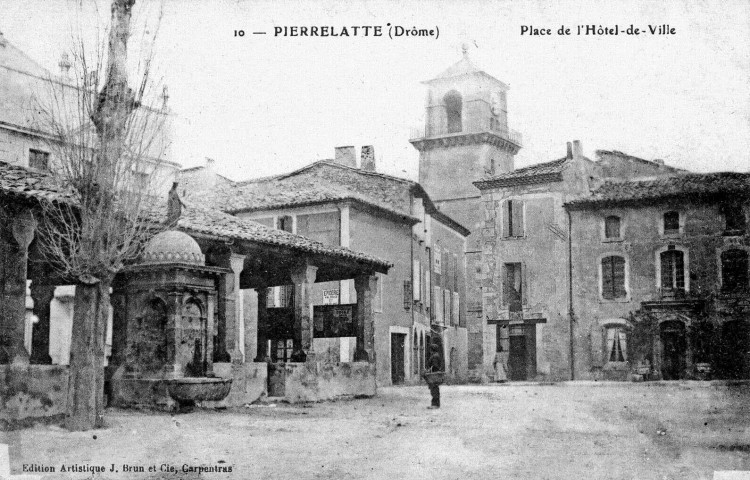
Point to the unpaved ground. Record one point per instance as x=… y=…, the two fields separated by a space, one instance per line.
x=675 y=431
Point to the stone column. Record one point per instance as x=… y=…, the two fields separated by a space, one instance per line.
x=14 y=257
x=262 y=325
x=303 y=278
x=365 y=286
x=235 y=322
x=42 y=296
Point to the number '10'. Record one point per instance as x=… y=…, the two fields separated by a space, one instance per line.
x=239 y=33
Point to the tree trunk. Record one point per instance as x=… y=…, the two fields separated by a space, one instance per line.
x=86 y=384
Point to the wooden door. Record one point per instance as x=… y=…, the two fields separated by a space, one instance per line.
x=518 y=353
x=398 y=343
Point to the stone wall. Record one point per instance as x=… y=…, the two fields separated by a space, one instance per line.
x=312 y=382
x=32 y=392
x=249 y=383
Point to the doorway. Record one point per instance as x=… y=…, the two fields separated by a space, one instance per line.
x=398 y=344
x=733 y=351
x=673 y=348
x=522 y=352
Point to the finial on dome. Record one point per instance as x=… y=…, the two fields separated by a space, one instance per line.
x=465 y=49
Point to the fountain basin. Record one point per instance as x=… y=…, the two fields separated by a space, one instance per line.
x=186 y=391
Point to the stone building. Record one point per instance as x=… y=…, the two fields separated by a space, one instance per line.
x=465 y=137
x=604 y=269
x=336 y=203
x=661 y=275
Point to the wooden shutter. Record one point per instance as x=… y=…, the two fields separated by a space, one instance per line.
x=504 y=293
x=607 y=280
x=518 y=227
x=618 y=277
x=416 y=280
x=524 y=285
x=506 y=218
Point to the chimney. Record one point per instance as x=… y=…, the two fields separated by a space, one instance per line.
x=577 y=150
x=569 y=155
x=64 y=65
x=367 y=158
x=659 y=161
x=346 y=156
x=210 y=164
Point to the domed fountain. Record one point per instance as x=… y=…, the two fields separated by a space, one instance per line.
x=164 y=327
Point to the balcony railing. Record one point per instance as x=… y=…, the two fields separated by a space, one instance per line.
x=491 y=127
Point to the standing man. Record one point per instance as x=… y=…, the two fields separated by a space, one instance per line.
x=435 y=369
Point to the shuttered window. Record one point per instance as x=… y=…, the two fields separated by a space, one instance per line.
x=672 y=269
x=734 y=270
x=613 y=277
x=513 y=221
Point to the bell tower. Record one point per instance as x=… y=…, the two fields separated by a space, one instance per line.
x=466 y=135
x=465 y=138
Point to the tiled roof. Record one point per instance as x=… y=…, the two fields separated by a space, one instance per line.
x=31 y=184
x=539 y=173
x=19 y=181
x=213 y=222
x=325 y=181
x=700 y=186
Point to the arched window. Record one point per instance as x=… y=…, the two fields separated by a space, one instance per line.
x=612 y=227
x=453 y=108
x=734 y=274
x=671 y=223
x=613 y=277
x=672 y=269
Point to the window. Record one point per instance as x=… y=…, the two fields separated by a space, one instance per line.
x=734 y=218
x=453 y=107
x=613 y=278
x=671 y=223
x=672 y=269
x=456 y=311
x=447 y=307
x=438 y=299
x=283 y=350
x=38 y=159
x=416 y=280
x=416 y=367
x=612 y=227
x=513 y=218
x=280 y=297
x=285 y=223
x=617 y=346
x=734 y=275
x=513 y=286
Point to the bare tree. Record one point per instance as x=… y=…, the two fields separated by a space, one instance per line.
x=107 y=147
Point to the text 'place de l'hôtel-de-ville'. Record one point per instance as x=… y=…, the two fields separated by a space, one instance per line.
x=330 y=280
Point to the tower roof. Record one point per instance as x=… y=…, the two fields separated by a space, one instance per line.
x=462 y=68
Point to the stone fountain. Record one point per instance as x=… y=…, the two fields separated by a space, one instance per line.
x=162 y=346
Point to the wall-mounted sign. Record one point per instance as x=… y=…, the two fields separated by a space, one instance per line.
x=330 y=297
x=334 y=320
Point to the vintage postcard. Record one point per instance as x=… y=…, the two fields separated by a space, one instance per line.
x=244 y=239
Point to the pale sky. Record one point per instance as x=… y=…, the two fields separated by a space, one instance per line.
x=262 y=105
